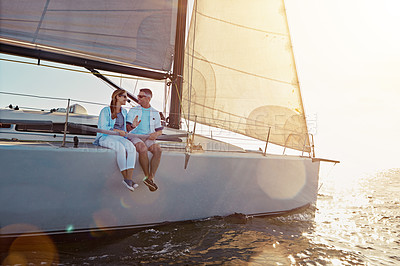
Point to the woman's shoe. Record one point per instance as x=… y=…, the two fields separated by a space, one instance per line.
x=128 y=184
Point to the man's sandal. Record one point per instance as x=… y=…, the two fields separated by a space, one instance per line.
x=150 y=184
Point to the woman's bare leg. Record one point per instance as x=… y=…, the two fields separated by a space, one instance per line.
x=129 y=173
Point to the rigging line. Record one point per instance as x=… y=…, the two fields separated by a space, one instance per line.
x=224 y=112
x=215 y=109
x=108 y=10
x=192 y=68
x=33 y=96
x=245 y=139
x=91 y=33
x=242 y=26
x=255 y=125
x=33 y=108
x=241 y=71
x=180 y=102
x=41 y=21
x=167 y=90
x=74 y=70
x=31 y=63
x=50 y=98
x=18 y=20
x=223 y=121
x=135 y=88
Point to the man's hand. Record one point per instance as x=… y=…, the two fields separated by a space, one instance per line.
x=134 y=124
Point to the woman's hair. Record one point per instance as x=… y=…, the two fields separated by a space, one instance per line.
x=113 y=104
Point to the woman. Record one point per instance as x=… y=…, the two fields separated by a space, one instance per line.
x=113 y=118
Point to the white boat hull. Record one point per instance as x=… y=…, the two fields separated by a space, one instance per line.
x=53 y=190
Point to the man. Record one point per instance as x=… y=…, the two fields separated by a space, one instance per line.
x=145 y=120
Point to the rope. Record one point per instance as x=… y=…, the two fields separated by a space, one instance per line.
x=50 y=98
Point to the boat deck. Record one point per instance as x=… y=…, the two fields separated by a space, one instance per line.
x=167 y=147
x=209 y=146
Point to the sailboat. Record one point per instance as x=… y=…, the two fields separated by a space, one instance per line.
x=235 y=71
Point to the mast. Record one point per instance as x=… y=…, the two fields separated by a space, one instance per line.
x=177 y=80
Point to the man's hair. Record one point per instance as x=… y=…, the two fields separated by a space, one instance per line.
x=147 y=91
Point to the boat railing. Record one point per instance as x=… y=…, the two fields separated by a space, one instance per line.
x=66 y=124
x=311 y=146
x=47 y=98
x=37 y=126
x=221 y=136
x=305 y=141
x=308 y=144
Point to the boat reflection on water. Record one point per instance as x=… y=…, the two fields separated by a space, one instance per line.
x=352 y=224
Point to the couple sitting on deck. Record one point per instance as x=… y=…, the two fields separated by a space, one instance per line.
x=141 y=120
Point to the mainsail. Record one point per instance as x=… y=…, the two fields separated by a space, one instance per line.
x=129 y=32
x=240 y=73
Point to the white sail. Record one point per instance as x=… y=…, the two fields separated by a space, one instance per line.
x=135 y=32
x=240 y=73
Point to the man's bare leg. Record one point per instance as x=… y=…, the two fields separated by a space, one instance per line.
x=143 y=157
x=155 y=149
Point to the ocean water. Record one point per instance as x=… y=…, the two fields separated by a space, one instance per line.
x=356 y=221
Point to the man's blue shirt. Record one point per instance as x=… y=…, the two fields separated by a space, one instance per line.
x=144 y=126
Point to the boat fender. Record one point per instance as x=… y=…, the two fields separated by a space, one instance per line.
x=13 y=107
x=76 y=142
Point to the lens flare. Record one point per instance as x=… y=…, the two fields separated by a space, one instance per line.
x=292 y=178
x=27 y=250
x=124 y=204
x=103 y=218
x=70 y=228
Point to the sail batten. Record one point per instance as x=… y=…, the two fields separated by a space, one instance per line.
x=240 y=73
x=242 y=26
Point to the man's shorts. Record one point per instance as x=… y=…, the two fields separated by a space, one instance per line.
x=147 y=142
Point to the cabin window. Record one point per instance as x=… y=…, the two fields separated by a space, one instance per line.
x=3 y=125
x=53 y=128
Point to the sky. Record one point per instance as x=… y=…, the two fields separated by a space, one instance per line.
x=348 y=61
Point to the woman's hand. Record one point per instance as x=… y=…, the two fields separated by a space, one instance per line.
x=120 y=132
